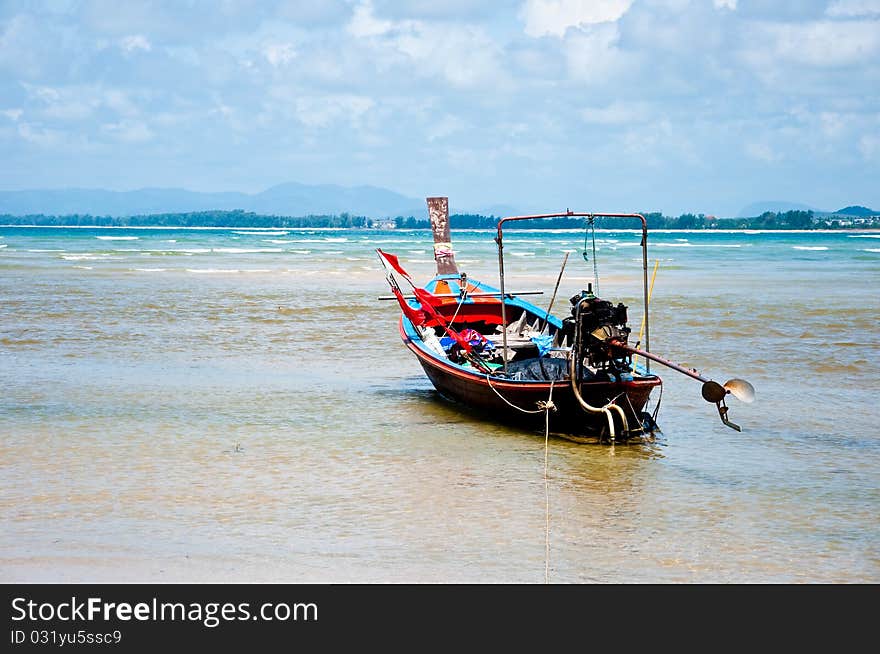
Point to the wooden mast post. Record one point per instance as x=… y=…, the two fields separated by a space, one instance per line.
x=438 y=212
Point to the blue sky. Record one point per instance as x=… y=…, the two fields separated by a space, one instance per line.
x=667 y=105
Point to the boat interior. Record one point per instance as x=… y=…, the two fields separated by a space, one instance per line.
x=537 y=349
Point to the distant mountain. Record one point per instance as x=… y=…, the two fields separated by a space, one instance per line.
x=294 y=199
x=284 y=200
x=856 y=210
x=758 y=208
x=499 y=210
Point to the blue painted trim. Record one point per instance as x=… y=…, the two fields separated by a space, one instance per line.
x=415 y=339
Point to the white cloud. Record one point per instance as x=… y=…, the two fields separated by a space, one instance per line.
x=832 y=124
x=460 y=54
x=25 y=48
x=851 y=8
x=128 y=131
x=658 y=142
x=762 y=152
x=820 y=43
x=592 y=54
x=725 y=4
x=322 y=111
x=279 y=54
x=443 y=127
x=39 y=135
x=45 y=94
x=554 y=17
x=464 y=56
x=12 y=114
x=869 y=146
x=66 y=104
x=616 y=113
x=78 y=103
x=135 y=42
x=120 y=102
x=364 y=24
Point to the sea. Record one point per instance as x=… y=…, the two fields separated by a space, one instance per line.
x=236 y=405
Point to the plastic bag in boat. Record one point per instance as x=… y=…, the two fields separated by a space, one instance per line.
x=475 y=339
x=544 y=344
x=538 y=369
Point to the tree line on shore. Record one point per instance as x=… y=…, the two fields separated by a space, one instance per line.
x=656 y=220
x=218 y=218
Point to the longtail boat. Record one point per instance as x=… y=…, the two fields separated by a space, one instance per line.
x=498 y=353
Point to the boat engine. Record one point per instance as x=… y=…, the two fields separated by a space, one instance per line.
x=592 y=323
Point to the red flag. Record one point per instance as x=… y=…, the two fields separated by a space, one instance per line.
x=426 y=297
x=415 y=315
x=458 y=339
x=393 y=262
x=428 y=309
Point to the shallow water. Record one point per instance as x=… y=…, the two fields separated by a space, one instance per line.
x=216 y=405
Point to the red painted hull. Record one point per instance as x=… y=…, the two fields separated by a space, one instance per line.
x=496 y=397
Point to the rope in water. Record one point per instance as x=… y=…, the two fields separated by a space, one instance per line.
x=544 y=407
x=549 y=405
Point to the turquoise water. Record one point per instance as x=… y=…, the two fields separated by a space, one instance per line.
x=235 y=404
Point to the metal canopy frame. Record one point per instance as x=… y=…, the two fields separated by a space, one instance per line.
x=499 y=239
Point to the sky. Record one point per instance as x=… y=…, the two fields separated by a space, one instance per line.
x=603 y=105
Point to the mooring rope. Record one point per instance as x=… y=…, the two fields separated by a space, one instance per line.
x=633 y=409
x=462 y=296
x=549 y=405
x=546 y=407
x=542 y=406
x=595 y=261
x=592 y=226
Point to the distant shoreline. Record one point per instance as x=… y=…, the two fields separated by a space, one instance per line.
x=217 y=219
x=663 y=230
x=194 y=227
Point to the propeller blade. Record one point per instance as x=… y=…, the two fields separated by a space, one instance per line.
x=713 y=392
x=741 y=390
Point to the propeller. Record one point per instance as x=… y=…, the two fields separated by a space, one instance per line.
x=741 y=390
x=715 y=393
x=712 y=391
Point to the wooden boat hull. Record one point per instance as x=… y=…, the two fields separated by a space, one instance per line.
x=518 y=401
